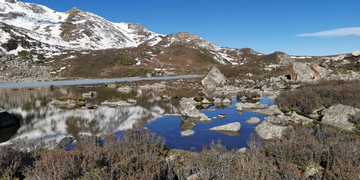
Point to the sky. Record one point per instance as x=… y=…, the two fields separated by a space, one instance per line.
x=296 y=27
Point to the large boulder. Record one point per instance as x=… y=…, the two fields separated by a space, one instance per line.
x=7 y=119
x=188 y=109
x=268 y=130
x=214 y=78
x=320 y=69
x=283 y=58
x=301 y=72
x=340 y=116
x=234 y=127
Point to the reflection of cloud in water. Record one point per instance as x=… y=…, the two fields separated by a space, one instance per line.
x=53 y=121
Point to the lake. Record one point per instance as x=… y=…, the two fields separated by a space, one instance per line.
x=40 y=119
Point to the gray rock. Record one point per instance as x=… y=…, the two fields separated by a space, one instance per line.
x=192 y=177
x=111 y=86
x=214 y=78
x=340 y=116
x=301 y=72
x=267 y=130
x=65 y=142
x=188 y=109
x=215 y=118
x=253 y=120
x=238 y=106
x=280 y=120
x=7 y=119
x=243 y=150
x=226 y=101
x=356 y=53
x=125 y=89
x=187 y=133
x=132 y=101
x=298 y=118
x=221 y=116
x=283 y=58
x=234 y=127
x=272 y=110
x=211 y=110
x=271 y=98
x=217 y=101
x=205 y=101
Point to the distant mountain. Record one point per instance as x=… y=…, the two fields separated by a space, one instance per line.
x=28 y=26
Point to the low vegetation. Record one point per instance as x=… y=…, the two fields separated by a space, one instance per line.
x=139 y=154
x=247 y=94
x=324 y=94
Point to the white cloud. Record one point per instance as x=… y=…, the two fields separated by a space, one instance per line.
x=335 y=32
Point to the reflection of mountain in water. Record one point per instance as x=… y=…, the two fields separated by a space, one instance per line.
x=40 y=119
x=103 y=120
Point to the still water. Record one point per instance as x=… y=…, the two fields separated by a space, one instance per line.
x=40 y=119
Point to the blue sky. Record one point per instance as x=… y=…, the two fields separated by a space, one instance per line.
x=296 y=27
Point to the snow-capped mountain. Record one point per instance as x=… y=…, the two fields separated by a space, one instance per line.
x=35 y=24
x=29 y=26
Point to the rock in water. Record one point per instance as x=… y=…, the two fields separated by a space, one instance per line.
x=214 y=78
x=253 y=120
x=187 y=133
x=340 y=116
x=188 y=109
x=236 y=126
x=7 y=119
x=65 y=142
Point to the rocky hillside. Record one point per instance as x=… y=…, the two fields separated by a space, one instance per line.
x=38 y=43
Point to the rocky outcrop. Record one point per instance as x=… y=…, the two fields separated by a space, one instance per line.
x=356 y=53
x=188 y=109
x=301 y=72
x=214 y=78
x=7 y=119
x=234 y=127
x=340 y=116
x=305 y=72
x=268 y=130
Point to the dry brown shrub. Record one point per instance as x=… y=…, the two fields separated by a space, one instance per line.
x=325 y=93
